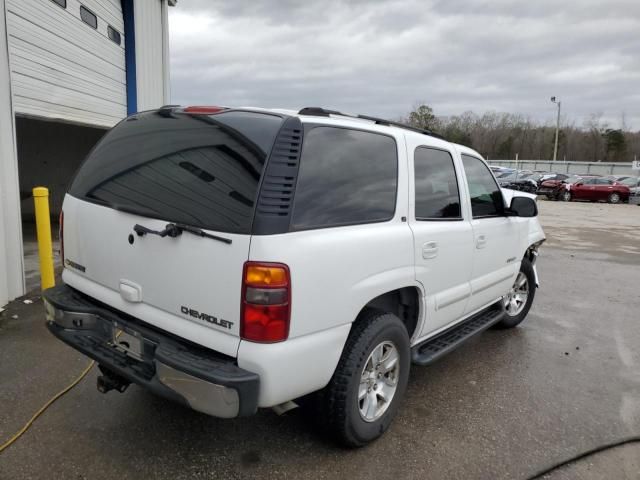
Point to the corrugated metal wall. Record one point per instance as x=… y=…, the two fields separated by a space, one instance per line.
x=63 y=68
x=150 y=53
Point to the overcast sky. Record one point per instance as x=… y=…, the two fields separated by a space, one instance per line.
x=381 y=57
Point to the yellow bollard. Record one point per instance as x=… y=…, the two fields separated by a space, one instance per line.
x=43 y=228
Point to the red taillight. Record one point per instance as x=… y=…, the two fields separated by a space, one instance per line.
x=203 y=109
x=61 y=236
x=266 y=302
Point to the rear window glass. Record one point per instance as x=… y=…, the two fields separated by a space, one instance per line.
x=200 y=170
x=346 y=177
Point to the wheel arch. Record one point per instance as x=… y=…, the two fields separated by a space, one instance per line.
x=404 y=302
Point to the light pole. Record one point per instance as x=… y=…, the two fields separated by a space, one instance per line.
x=555 y=148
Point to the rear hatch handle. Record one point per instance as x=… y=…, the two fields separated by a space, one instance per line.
x=174 y=230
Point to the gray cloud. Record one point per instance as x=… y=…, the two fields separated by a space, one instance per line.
x=380 y=57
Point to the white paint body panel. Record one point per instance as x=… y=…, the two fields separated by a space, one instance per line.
x=335 y=272
x=196 y=272
x=61 y=67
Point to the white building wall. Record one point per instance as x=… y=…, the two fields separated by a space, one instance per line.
x=11 y=263
x=151 y=69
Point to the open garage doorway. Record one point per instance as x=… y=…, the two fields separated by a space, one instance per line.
x=49 y=153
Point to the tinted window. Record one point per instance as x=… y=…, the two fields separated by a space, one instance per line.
x=88 y=17
x=604 y=181
x=486 y=197
x=201 y=170
x=62 y=3
x=346 y=177
x=436 y=185
x=114 y=35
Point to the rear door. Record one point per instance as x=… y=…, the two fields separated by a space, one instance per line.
x=602 y=188
x=443 y=238
x=496 y=237
x=158 y=168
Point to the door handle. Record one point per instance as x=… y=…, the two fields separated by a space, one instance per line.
x=481 y=241
x=429 y=250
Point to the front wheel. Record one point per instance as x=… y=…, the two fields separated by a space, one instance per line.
x=518 y=300
x=370 y=380
x=566 y=196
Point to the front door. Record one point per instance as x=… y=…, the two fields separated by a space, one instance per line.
x=495 y=259
x=584 y=190
x=443 y=238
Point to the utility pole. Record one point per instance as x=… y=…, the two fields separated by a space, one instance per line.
x=555 y=148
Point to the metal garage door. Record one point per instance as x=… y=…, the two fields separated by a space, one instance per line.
x=67 y=59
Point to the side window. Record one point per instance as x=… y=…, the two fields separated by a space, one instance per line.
x=62 y=3
x=436 y=186
x=346 y=177
x=486 y=197
x=604 y=181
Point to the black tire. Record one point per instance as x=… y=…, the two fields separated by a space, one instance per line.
x=511 y=321
x=614 y=197
x=337 y=404
x=566 y=196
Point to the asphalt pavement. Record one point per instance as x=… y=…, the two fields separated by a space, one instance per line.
x=505 y=405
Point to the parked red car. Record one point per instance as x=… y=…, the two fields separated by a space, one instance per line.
x=554 y=188
x=595 y=189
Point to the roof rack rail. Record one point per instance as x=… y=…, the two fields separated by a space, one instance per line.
x=323 y=112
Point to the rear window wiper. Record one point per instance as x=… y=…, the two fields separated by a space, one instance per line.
x=175 y=229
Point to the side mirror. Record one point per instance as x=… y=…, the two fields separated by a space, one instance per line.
x=578 y=184
x=523 y=207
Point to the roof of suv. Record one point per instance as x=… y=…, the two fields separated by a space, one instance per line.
x=333 y=117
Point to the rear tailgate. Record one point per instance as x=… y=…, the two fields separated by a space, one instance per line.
x=199 y=171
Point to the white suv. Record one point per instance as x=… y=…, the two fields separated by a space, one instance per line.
x=235 y=259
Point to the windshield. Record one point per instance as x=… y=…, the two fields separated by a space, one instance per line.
x=200 y=170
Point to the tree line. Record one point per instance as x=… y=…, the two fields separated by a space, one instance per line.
x=500 y=136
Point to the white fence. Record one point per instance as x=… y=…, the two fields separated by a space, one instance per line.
x=601 y=168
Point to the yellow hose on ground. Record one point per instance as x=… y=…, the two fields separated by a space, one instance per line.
x=10 y=442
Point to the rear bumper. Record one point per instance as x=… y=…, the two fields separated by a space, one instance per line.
x=186 y=373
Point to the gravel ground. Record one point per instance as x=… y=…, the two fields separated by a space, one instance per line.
x=505 y=405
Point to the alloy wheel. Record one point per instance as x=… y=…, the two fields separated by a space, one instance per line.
x=378 y=381
x=516 y=299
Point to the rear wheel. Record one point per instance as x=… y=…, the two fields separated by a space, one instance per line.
x=566 y=196
x=370 y=380
x=614 y=197
x=518 y=300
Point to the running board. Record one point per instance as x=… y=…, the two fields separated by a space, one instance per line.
x=433 y=348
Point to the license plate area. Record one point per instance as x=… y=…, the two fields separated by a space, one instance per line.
x=128 y=342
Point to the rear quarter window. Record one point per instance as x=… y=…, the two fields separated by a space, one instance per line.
x=200 y=170
x=346 y=177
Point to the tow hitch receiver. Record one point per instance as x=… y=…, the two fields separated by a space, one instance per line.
x=111 y=381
